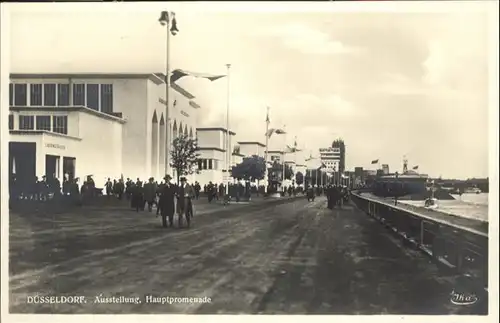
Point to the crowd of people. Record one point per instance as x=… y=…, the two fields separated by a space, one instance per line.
x=151 y=194
x=336 y=194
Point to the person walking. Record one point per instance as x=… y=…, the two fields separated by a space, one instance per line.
x=167 y=204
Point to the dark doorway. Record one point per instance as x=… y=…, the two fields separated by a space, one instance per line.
x=22 y=162
x=69 y=164
x=52 y=166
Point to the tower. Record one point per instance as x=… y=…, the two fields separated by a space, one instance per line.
x=405 y=165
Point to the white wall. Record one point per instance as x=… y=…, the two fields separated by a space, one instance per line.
x=210 y=139
x=100 y=150
x=252 y=149
x=215 y=176
x=131 y=99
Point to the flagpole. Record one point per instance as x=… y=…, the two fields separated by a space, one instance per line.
x=265 y=153
x=228 y=135
x=284 y=154
x=166 y=22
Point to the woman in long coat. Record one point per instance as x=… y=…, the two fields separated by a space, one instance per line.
x=150 y=193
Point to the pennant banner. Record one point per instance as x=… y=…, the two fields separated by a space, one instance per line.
x=375 y=161
x=271 y=131
x=415 y=167
x=178 y=73
x=292 y=149
x=322 y=166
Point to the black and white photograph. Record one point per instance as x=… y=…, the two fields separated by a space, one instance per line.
x=323 y=158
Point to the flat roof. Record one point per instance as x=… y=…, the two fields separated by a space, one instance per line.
x=70 y=108
x=91 y=75
x=251 y=143
x=42 y=132
x=215 y=129
x=211 y=148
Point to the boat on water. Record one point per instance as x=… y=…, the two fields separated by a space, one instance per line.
x=431 y=203
x=472 y=190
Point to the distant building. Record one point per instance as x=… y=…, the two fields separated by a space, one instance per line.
x=385 y=169
x=212 y=155
x=330 y=157
x=250 y=148
x=358 y=173
x=339 y=143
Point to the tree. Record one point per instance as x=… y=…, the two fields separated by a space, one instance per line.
x=250 y=169
x=184 y=156
x=299 y=178
x=277 y=170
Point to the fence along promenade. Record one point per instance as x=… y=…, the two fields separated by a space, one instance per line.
x=458 y=244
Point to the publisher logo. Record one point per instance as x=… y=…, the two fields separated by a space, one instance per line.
x=462 y=298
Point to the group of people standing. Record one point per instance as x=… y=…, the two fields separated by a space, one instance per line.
x=168 y=198
x=336 y=196
x=50 y=189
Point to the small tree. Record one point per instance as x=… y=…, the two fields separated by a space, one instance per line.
x=277 y=170
x=184 y=156
x=250 y=169
x=299 y=178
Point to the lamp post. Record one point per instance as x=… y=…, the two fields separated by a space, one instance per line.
x=228 y=135
x=284 y=155
x=167 y=19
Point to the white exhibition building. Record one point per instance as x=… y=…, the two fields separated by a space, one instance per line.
x=110 y=125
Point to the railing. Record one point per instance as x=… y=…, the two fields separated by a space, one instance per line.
x=462 y=249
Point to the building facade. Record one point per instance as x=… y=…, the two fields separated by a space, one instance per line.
x=212 y=155
x=105 y=125
x=251 y=148
x=330 y=157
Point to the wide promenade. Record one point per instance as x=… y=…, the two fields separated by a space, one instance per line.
x=269 y=256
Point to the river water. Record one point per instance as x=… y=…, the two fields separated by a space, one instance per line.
x=472 y=206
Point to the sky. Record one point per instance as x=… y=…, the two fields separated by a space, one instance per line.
x=391 y=84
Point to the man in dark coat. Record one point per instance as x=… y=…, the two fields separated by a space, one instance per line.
x=185 y=193
x=150 y=193
x=167 y=204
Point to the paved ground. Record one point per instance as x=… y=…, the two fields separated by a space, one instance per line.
x=265 y=257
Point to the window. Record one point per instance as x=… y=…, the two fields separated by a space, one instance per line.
x=79 y=94
x=26 y=122
x=204 y=164
x=49 y=95
x=11 y=94
x=43 y=123
x=199 y=163
x=210 y=164
x=62 y=95
x=60 y=124
x=93 y=96
x=20 y=94
x=11 y=121
x=107 y=98
x=36 y=94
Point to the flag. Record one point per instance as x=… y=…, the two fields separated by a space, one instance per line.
x=179 y=73
x=292 y=149
x=267 y=116
x=322 y=166
x=277 y=131
x=415 y=167
x=375 y=161
x=310 y=158
x=344 y=176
